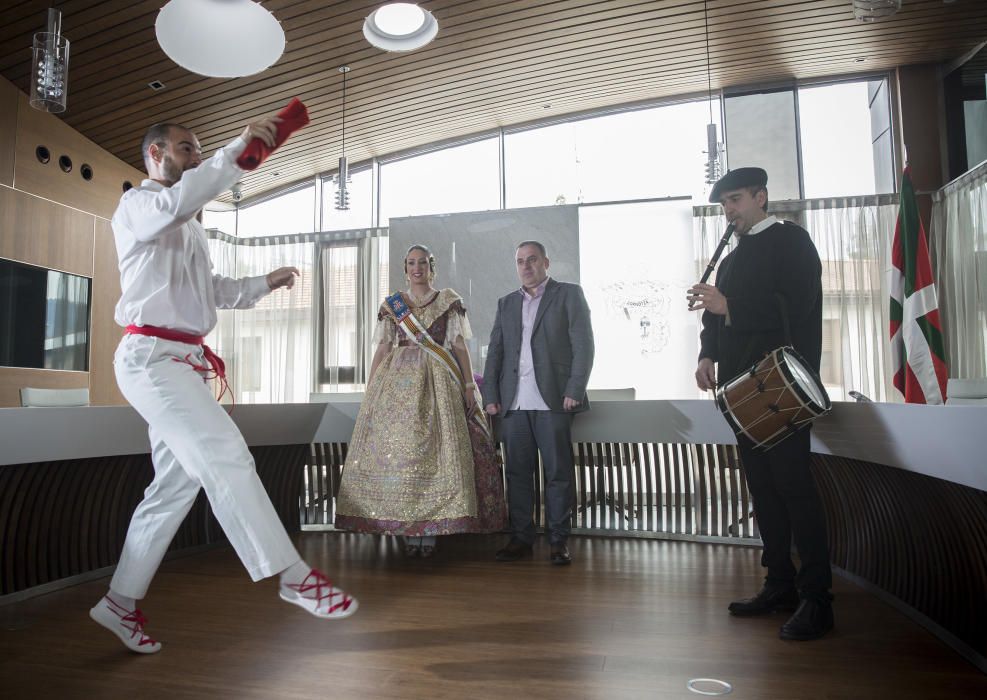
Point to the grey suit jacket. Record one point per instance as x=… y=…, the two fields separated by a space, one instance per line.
x=561 y=348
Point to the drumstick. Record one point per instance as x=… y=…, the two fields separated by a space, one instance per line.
x=716 y=256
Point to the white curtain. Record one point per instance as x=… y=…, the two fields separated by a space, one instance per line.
x=958 y=242
x=853 y=236
x=272 y=357
x=222 y=252
x=271 y=351
x=267 y=349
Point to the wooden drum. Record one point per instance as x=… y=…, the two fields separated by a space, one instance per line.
x=777 y=397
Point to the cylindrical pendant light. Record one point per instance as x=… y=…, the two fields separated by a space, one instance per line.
x=50 y=62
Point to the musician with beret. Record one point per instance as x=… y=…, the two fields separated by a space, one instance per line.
x=768 y=293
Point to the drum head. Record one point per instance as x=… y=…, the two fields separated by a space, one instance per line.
x=805 y=378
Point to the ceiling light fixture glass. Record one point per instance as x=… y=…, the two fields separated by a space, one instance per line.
x=50 y=66
x=873 y=10
x=714 y=147
x=219 y=38
x=400 y=26
x=342 y=177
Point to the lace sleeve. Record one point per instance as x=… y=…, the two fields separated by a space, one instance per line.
x=459 y=325
x=386 y=330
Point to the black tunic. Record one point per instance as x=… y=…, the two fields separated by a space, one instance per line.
x=774 y=268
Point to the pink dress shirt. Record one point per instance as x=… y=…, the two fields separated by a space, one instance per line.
x=528 y=397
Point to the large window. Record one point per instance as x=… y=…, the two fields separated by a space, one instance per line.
x=820 y=140
x=290 y=212
x=761 y=131
x=817 y=141
x=845 y=135
x=635 y=258
x=361 y=211
x=643 y=154
x=220 y=219
x=460 y=178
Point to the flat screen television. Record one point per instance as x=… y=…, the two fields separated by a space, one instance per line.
x=44 y=318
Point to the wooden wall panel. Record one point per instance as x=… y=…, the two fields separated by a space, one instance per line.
x=8 y=127
x=922 y=124
x=56 y=220
x=43 y=233
x=103 y=390
x=98 y=196
x=13 y=379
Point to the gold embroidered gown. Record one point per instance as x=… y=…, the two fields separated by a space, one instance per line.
x=416 y=465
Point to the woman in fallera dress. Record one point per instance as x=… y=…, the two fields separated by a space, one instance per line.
x=421 y=461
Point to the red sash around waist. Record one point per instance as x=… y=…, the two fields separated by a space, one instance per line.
x=216 y=368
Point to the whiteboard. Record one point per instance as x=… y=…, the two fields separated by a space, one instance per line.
x=474 y=254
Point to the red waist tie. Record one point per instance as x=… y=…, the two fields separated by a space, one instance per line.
x=216 y=368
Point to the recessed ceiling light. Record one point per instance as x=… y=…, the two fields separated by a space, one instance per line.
x=874 y=10
x=156 y=85
x=219 y=38
x=400 y=26
x=400 y=18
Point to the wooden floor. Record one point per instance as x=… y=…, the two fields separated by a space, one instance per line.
x=630 y=619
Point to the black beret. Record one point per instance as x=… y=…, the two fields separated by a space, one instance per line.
x=737 y=179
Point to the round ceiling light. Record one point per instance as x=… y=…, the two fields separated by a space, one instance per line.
x=400 y=26
x=874 y=10
x=219 y=38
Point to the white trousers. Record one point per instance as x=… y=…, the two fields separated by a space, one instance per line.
x=194 y=444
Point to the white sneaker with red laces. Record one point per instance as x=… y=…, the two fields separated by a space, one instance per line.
x=128 y=625
x=318 y=596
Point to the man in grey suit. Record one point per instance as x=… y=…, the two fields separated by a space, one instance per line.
x=538 y=362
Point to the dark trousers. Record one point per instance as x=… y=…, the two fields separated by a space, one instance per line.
x=787 y=504
x=525 y=433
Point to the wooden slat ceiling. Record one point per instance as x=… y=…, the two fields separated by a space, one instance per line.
x=495 y=63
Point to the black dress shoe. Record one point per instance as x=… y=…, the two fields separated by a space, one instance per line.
x=769 y=599
x=560 y=555
x=514 y=550
x=813 y=619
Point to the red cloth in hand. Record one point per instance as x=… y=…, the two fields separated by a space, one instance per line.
x=293 y=117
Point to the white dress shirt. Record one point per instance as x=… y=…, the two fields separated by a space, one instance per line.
x=761 y=225
x=165 y=269
x=528 y=397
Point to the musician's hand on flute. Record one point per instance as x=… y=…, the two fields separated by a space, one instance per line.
x=706 y=375
x=265 y=129
x=707 y=297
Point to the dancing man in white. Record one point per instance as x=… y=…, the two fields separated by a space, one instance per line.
x=169 y=303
